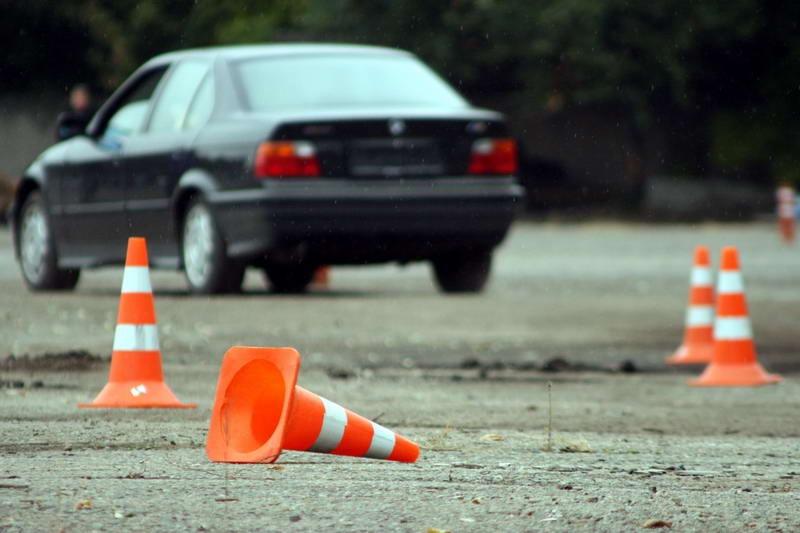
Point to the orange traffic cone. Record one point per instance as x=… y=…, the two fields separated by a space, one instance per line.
x=698 y=338
x=734 y=363
x=136 y=379
x=322 y=277
x=259 y=411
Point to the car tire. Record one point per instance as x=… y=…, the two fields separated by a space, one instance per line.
x=463 y=272
x=289 y=278
x=206 y=265
x=38 y=259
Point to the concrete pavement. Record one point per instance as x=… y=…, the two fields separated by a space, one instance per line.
x=462 y=375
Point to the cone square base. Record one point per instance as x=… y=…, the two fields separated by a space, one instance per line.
x=252 y=380
x=748 y=375
x=697 y=354
x=136 y=395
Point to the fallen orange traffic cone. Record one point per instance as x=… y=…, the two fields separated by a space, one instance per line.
x=698 y=338
x=734 y=363
x=136 y=379
x=260 y=411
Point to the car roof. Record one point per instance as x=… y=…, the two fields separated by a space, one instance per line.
x=236 y=52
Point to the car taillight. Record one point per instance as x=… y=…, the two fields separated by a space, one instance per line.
x=493 y=156
x=285 y=159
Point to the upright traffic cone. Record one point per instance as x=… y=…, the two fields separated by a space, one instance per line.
x=322 y=277
x=734 y=363
x=698 y=336
x=136 y=379
x=260 y=411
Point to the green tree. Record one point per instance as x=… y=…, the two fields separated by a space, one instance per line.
x=717 y=79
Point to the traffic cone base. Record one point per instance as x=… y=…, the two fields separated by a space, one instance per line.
x=751 y=375
x=136 y=379
x=259 y=411
x=694 y=354
x=137 y=395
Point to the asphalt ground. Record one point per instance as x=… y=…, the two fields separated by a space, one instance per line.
x=542 y=404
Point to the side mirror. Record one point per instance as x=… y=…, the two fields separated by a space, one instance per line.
x=70 y=125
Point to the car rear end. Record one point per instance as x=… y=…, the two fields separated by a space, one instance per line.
x=373 y=158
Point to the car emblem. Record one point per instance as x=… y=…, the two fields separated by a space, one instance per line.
x=397 y=127
x=476 y=127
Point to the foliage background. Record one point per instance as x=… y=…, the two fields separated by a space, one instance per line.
x=719 y=79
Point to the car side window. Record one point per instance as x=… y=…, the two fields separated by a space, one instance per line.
x=173 y=103
x=202 y=105
x=131 y=112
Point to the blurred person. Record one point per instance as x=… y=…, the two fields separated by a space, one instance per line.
x=785 y=197
x=74 y=120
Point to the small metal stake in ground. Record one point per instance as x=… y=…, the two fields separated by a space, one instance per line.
x=226 y=498
x=549 y=446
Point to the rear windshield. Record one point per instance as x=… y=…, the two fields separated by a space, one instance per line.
x=273 y=84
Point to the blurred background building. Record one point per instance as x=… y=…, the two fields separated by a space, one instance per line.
x=676 y=108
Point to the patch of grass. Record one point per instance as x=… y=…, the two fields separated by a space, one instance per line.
x=575 y=446
x=439 y=442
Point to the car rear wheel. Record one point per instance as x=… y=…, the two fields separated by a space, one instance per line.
x=206 y=265
x=37 y=252
x=290 y=278
x=463 y=272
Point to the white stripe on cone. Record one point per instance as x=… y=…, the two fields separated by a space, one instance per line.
x=732 y=329
x=333 y=425
x=701 y=277
x=699 y=315
x=382 y=442
x=136 y=279
x=730 y=282
x=136 y=337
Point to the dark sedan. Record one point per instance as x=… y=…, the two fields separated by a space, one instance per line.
x=281 y=157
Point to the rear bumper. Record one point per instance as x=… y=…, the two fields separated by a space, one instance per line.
x=345 y=222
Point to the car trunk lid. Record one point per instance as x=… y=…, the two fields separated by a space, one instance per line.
x=390 y=148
